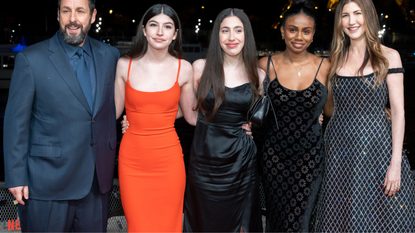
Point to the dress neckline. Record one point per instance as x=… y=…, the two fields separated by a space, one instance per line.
x=390 y=71
x=175 y=83
x=315 y=79
x=236 y=86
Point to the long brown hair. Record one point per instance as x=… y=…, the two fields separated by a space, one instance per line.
x=341 y=42
x=213 y=75
x=140 y=47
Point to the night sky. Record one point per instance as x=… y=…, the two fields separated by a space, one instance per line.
x=37 y=19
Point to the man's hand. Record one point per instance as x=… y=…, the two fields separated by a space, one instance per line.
x=125 y=124
x=19 y=192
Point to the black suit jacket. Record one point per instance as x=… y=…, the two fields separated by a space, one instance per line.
x=53 y=142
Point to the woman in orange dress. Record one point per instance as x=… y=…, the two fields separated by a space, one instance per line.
x=152 y=81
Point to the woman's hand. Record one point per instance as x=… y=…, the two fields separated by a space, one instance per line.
x=392 y=182
x=248 y=128
x=124 y=124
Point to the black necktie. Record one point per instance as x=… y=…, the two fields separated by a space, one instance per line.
x=82 y=73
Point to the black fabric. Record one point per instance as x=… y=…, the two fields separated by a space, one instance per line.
x=262 y=107
x=222 y=182
x=292 y=156
x=358 y=142
x=88 y=214
x=396 y=70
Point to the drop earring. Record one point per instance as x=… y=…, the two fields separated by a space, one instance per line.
x=283 y=38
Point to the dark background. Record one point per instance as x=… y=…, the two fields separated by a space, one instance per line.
x=27 y=22
x=36 y=20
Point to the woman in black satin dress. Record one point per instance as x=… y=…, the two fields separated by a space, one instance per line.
x=292 y=153
x=222 y=181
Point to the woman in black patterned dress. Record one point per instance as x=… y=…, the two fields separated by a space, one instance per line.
x=367 y=184
x=292 y=152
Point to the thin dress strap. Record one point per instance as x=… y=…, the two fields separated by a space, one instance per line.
x=319 y=67
x=178 y=72
x=129 y=67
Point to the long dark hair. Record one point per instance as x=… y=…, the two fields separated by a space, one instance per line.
x=213 y=74
x=140 y=47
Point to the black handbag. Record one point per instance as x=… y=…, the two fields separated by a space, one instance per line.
x=262 y=107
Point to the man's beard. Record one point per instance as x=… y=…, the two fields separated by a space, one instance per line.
x=74 y=40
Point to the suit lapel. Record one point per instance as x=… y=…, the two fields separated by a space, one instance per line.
x=99 y=61
x=65 y=70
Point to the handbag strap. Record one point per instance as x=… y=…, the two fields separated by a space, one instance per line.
x=270 y=60
x=266 y=85
x=267 y=81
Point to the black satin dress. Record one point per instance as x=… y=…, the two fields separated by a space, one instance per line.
x=222 y=181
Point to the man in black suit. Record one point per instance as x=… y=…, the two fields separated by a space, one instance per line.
x=59 y=127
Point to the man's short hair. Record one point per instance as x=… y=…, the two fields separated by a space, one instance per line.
x=90 y=2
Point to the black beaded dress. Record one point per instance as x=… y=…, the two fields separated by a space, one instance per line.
x=358 y=141
x=222 y=188
x=292 y=156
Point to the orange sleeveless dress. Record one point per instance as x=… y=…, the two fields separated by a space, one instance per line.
x=151 y=167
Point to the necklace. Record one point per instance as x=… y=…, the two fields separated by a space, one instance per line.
x=301 y=66
x=298 y=72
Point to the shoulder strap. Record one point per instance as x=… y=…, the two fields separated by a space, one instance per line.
x=396 y=70
x=321 y=62
x=266 y=81
x=129 y=67
x=178 y=72
x=270 y=61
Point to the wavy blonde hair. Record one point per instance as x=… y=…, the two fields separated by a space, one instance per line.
x=341 y=42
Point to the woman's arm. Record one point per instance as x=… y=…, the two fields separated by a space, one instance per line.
x=187 y=96
x=261 y=76
x=179 y=113
x=396 y=96
x=119 y=85
x=328 y=108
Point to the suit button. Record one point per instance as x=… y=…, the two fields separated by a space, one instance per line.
x=93 y=121
x=92 y=144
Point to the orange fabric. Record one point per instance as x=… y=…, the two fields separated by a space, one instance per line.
x=151 y=168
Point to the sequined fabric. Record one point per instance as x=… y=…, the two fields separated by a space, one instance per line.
x=292 y=156
x=358 y=141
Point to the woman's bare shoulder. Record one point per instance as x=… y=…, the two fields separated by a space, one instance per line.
x=393 y=57
x=124 y=61
x=186 y=66
x=199 y=64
